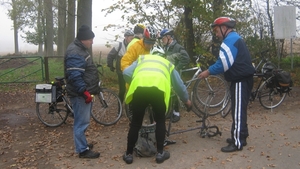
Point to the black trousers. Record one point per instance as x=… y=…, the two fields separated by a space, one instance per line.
x=142 y=97
x=122 y=87
x=240 y=95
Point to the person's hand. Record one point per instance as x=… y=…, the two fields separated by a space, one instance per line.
x=88 y=97
x=204 y=74
x=188 y=105
x=112 y=69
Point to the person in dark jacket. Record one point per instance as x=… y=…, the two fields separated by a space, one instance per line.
x=235 y=62
x=177 y=55
x=116 y=53
x=82 y=82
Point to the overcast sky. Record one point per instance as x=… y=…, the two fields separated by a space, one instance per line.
x=99 y=21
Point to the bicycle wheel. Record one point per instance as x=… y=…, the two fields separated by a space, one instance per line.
x=226 y=106
x=107 y=108
x=51 y=114
x=270 y=97
x=148 y=120
x=210 y=93
x=196 y=105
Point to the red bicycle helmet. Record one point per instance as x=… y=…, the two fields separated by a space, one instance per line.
x=227 y=21
x=150 y=35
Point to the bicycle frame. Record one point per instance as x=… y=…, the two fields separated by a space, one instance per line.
x=204 y=128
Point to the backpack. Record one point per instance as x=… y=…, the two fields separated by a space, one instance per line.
x=146 y=143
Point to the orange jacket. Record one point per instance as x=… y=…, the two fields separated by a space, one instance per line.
x=132 y=53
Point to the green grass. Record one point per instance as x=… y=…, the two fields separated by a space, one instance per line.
x=109 y=80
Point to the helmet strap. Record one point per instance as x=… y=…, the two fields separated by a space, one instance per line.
x=224 y=33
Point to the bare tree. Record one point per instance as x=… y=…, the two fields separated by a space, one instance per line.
x=70 y=29
x=49 y=28
x=61 y=27
x=14 y=17
x=84 y=15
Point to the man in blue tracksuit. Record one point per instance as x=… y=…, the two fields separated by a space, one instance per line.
x=235 y=62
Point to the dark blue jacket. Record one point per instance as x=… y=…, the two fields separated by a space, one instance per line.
x=234 y=59
x=80 y=72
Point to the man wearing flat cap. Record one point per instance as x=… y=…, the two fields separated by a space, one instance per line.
x=82 y=79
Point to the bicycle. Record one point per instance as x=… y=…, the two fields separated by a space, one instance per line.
x=214 y=87
x=269 y=94
x=107 y=108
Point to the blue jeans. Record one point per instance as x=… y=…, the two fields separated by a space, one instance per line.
x=82 y=115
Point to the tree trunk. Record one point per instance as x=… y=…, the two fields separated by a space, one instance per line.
x=71 y=22
x=40 y=28
x=61 y=27
x=49 y=28
x=16 y=27
x=217 y=10
x=16 y=37
x=84 y=15
x=190 y=40
x=271 y=27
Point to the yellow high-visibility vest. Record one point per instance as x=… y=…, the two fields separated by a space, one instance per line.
x=152 y=71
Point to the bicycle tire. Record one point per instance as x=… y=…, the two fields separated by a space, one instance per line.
x=195 y=108
x=212 y=89
x=148 y=120
x=227 y=106
x=52 y=114
x=270 y=97
x=107 y=108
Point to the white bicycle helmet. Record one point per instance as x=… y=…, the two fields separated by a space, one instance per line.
x=157 y=50
x=150 y=35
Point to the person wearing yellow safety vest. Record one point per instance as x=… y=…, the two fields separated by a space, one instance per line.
x=151 y=78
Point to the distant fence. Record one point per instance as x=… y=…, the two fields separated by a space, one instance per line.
x=30 y=69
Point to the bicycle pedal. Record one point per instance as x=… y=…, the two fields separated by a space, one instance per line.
x=168 y=142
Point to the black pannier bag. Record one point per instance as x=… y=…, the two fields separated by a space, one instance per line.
x=284 y=80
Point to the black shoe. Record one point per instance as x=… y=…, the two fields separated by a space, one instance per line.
x=90 y=146
x=128 y=158
x=230 y=148
x=89 y=154
x=161 y=157
x=175 y=118
x=230 y=141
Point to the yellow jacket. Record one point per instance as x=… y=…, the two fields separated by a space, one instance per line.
x=132 y=53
